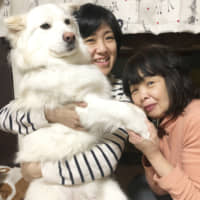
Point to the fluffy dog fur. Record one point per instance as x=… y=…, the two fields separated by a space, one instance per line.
x=52 y=67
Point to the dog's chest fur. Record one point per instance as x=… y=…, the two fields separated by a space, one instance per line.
x=61 y=84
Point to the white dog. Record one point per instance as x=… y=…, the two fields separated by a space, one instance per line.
x=52 y=67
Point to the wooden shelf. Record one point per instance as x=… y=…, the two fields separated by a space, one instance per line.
x=179 y=41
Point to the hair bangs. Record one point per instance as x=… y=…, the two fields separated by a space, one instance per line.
x=91 y=16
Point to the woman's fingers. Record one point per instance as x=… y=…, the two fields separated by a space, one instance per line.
x=81 y=104
x=31 y=170
x=134 y=138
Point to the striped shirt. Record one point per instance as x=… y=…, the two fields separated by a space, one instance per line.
x=99 y=161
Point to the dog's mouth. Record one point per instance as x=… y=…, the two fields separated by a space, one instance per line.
x=68 y=50
x=70 y=47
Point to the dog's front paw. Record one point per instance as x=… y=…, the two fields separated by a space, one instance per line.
x=139 y=126
x=137 y=122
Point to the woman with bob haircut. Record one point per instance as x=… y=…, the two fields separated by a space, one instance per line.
x=157 y=81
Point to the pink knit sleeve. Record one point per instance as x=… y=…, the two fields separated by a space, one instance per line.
x=179 y=185
x=184 y=181
x=149 y=174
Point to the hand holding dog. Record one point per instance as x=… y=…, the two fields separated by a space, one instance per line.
x=151 y=149
x=31 y=170
x=147 y=146
x=66 y=115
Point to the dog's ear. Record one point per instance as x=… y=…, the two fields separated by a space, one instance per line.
x=14 y=25
x=70 y=7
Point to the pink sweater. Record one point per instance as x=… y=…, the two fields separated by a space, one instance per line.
x=181 y=147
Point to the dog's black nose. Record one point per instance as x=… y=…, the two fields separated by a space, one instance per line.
x=69 y=37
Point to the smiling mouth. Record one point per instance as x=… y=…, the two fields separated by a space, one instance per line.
x=149 y=108
x=102 y=60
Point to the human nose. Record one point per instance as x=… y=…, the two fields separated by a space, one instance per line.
x=144 y=94
x=101 y=47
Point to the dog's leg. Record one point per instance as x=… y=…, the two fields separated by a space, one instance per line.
x=111 y=190
x=53 y=143
x=105 y=115
x=41 y=190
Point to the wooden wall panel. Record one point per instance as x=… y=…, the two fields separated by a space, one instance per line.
x=8 y=142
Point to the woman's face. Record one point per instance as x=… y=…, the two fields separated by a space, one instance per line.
x=103 y=48
x=151 y=95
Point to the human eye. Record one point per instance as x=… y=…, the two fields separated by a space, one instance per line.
x=134 y=90
x=89 y=40
x=110 y=37
x=150 y=83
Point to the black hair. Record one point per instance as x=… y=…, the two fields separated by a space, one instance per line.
x=156 y=59
x=91 y=16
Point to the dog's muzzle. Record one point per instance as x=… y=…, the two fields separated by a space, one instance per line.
x=70 y=40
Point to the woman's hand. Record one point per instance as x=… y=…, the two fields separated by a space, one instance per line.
x=150 y=148
x=66 y=115
x=31 y=170
x=147 y=146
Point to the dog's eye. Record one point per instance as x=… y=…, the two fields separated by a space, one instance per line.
x=45 y=26
x=67 y=21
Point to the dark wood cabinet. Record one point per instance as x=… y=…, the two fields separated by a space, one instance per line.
x=8 y=142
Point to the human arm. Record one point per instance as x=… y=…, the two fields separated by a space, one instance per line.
x=182 y=182
x=24 y=121
x=102 y=158
x=153 y=160
x=150 y=148
x=99 y=161
x=21 y=121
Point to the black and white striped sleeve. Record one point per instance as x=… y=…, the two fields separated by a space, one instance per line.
x=100 y=161
x=21 y=121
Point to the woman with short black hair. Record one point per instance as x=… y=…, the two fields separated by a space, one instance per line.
x=157 y=81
